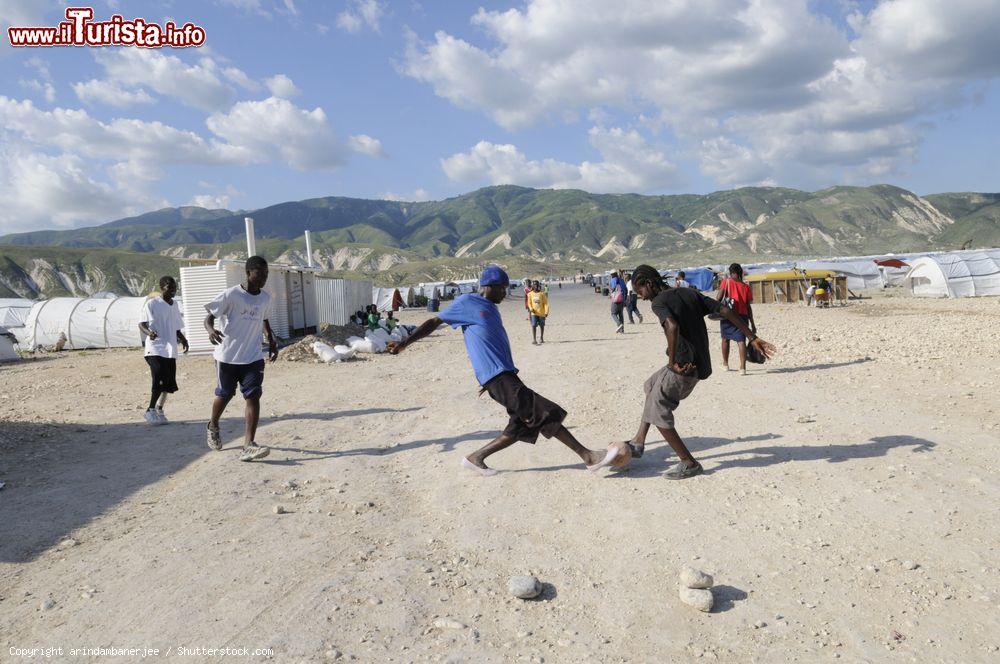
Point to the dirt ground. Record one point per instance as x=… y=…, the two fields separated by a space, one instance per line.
x=849 y=508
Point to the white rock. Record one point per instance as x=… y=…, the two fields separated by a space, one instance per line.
x=524 y=587
x=909 y=564
x=67 y=543
x=695 y=578
x=278 y=509
x=48 y=604
x=699 y=598
x=448 y=623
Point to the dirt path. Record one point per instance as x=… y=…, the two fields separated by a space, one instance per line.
x=871 y=441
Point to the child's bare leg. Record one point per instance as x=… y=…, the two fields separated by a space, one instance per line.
x=743 y=356
x=725 y=353
x=677 y=445
x=589 y=456
x=501 y=442
x=638 y=441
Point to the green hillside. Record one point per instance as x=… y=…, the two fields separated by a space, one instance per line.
x=561 y=229
x=34 y=272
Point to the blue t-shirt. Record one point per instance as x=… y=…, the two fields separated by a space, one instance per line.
x=485 y=338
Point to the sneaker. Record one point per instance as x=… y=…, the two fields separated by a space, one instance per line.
x=160 y=416
x=621 y=329
x=150 y=417
x=214 y=439
x=253 y=451
x=683 y=470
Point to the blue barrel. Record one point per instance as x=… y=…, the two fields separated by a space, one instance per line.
x=433 y=305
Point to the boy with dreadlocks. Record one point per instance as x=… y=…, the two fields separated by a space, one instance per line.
x=682 y=314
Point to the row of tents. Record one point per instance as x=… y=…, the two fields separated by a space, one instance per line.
x=927 y=274
x=110 y=321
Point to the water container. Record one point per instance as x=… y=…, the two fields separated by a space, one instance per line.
x=433 y=305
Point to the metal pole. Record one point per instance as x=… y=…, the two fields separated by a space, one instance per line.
x=251 y=240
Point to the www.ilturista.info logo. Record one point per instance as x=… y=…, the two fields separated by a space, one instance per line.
x=80 y=30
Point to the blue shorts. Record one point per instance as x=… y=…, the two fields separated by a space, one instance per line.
x=249 y=376
x=731 y=332
x=537 y=321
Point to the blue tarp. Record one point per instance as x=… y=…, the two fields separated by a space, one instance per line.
x=699 y=277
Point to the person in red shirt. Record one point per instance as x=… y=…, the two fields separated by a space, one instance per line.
x=737 y=294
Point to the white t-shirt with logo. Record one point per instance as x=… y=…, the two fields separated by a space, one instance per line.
x=241 y=319
x=164 y=319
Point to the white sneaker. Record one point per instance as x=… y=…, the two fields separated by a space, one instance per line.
x=161 y=417
x=151 y=418
x=253 y=451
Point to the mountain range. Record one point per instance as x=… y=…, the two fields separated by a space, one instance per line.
x=540 y=231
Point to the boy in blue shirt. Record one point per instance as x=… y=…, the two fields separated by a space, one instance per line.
x=489 y=351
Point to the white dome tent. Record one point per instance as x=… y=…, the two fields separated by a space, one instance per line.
x=959 y=274
x=14 y=311
x=86 y=322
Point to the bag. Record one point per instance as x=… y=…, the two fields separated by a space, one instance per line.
x=724 y=301
x=617 y=297
x=754 y=355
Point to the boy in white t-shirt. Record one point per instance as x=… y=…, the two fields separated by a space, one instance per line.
x=239 y=358
x=162 y=324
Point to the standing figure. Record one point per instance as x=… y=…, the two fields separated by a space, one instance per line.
x=162 y=325
x=239 y=357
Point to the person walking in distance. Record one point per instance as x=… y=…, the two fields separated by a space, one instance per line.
x=617 y=291
x=239 y=357
x=538 y=304
x=737 y=295
x=631 y=301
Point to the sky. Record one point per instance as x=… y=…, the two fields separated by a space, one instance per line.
x=408 y=100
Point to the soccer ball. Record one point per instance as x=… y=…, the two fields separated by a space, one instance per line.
x=624 y=454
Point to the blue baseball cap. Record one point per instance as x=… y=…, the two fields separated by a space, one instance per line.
x=493 y=275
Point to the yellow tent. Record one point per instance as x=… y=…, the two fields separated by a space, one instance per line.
x=783 y=275
x=791 y=285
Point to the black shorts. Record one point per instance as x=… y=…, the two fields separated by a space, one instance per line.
x=249 y=376
x=164 y=371
x=530 y=413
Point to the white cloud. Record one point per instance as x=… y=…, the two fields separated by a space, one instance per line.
x=211 y=201
x=419 y=195
x=249 y=6
x=239 y=77
x=629 y=165
x=277 y=127
x=197 y=85
x=110 y=93
x=282 y=86
x=122 y=139
x=61 y=190
x=752 y=89
x=44 y=88
x=361 y=14
x=366 y=145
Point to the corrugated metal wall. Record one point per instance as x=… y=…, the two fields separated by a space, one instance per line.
x=199 y=286
x=277 y=286
x=338 y=299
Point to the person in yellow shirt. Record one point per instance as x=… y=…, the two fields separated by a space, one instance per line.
x=538 y=305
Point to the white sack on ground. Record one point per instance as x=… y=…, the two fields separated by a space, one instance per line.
x=325 y=352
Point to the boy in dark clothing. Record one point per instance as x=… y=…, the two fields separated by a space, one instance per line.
x=681 y=312
x=489 y=351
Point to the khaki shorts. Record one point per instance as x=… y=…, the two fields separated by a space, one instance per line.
x=664 y=392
